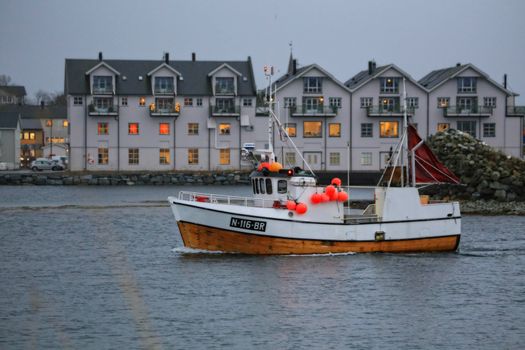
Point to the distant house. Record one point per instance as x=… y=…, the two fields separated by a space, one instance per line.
x=12 y=95
x=9 y=140
x=465 y=98
x=31 y=140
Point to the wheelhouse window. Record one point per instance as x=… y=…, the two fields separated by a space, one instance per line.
x=312 y=129
x=261 y=186
x=334 y=129
x=467 y=84
x=269 y=189
x=291 y=129
x=224 y=86
x=312 y=85
x=389 y=129
x=389 y=85
x=224 y=156
x=102 y=84
x=467 y=126
x=282 y=186
x=224 y=128
x=164 y=85
x=133 y=128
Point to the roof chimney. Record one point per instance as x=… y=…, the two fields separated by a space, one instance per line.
x=505 y=80
x=294 y=69
x=458 y=64
x=100 y=56
x=371 y=67
x=193 y=56
x=42 y=104
x=167 y=57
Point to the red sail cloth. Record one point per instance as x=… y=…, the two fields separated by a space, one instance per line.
x=428 y=168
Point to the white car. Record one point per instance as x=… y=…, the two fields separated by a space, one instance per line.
x=44 y=164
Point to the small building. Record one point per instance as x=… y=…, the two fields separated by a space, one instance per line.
x=31 y=141
x=12 y=95
x=9 y=140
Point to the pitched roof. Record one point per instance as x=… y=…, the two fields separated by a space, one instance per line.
x=194 y=73
x=289 y=77
x=15 y=90
x=437 y=77
x=30 y=124
x=9 y=120
x=37 y=112
x=364 y=76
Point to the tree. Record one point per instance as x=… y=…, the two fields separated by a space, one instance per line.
x=5 y=80
x=50 y=98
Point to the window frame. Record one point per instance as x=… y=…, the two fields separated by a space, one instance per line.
x=78 y=100
x=366 y=102
x=330 y=129
x=193 y=129
x=440 y=128
x=130 y=131
x=313 y=136
x=103 y=156
x=312 y=85
x=165 y=132
x=332 y=157
x=226 y=131
x=224 y=156
x=164 y=156
x=133 y=156
x=489 y=129
x=460 y=125
x=386 y=122
x=291 y=126
x=101 y=127
x=366 y=159
x=389 y=85
x=369 y=128
x=193 y=156
x=470 y=88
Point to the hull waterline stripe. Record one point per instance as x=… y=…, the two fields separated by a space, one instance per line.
x=318 y=222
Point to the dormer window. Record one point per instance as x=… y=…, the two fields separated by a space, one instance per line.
x=467 y=85
x=224 y=86
x=313 y=84
x=164 y=85
x=102 y=84
x=389 y=85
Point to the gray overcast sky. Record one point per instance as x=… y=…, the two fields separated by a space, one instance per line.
x=418 y=36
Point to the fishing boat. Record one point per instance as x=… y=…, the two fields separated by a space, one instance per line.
x=290 y=213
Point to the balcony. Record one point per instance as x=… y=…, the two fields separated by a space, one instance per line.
x=155 y=111
x=102 y=90
x=515 y=111
x=107 y=111
x=225 y=111
x=224 y=91
x=388 y=111
x=464 y=111
x=164 y=91
x=312 y=111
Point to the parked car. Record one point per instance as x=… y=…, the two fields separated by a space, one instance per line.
x=45 y=164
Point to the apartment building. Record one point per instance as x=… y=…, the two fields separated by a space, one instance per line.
x=314 y=108
x=465 y=98
x=9 y=140
x=377 y=113
x=159 y=115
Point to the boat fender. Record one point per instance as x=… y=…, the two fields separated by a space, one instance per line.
x=301 y=208
x=342 y=196
x=336 y=181
x=325 y=197
x=334 y=196
x=316 y=198
x=329 y=190
x=291 y=205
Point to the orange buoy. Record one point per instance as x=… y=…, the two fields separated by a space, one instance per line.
x=263 y=165
x=275 y=167
x=316 y=198
x=291 y=205
x=301 y=208
x=342 y=196
x=336 y=181
x=329 y=190
x=325 y=197
x=333 y=196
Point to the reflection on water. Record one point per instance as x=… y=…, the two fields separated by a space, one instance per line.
x=105 y=268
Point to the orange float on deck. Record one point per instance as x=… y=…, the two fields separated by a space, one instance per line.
x=342 y=196
x=301 y=208
x=291 y=205
x=275 y=167
x=316 y=198
x=336 y=181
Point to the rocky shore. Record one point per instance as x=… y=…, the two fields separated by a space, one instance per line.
x=231 y=178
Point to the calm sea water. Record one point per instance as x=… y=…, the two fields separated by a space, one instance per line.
x=104 y=268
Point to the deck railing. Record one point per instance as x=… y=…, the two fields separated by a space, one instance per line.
x=226 y=199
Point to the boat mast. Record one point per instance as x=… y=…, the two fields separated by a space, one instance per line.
x=268 y=72
x=404 y=165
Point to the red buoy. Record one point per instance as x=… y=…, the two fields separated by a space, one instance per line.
x=316 y=198
x=301 y=208
x=325 y=197
x=291 y=205
x=342 y=196
x=336 y=181
x=329 y=190
x=333 y=196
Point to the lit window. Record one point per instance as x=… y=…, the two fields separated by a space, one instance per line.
x=334 y=129
x=443 y=102
x=335 y=158
x=103 y=128
x=78 y=100
x=366 y=130
x=442 y=126
x=389 y=85
x=31 y=135
x=65 y=123
x=193 y=128
x=142 y=101
x=133 y=128
x=289 y=158
x=389 y=129
x=164 y=156
x=224 y=156
x=291 y=129
x=224 y=129
x=188 y=101
x=164 y=128
x=133 y=156
x=103 y=155
x=193 y=156
x=26 y=136
x=366 y=158
x=489 y=129
x=312 y=129
x=49 y=122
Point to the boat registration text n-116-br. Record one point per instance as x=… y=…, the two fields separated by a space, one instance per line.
x=248 y=224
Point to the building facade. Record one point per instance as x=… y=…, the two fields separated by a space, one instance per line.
x=12 y=95
x=159 y=115
x=9 y=140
